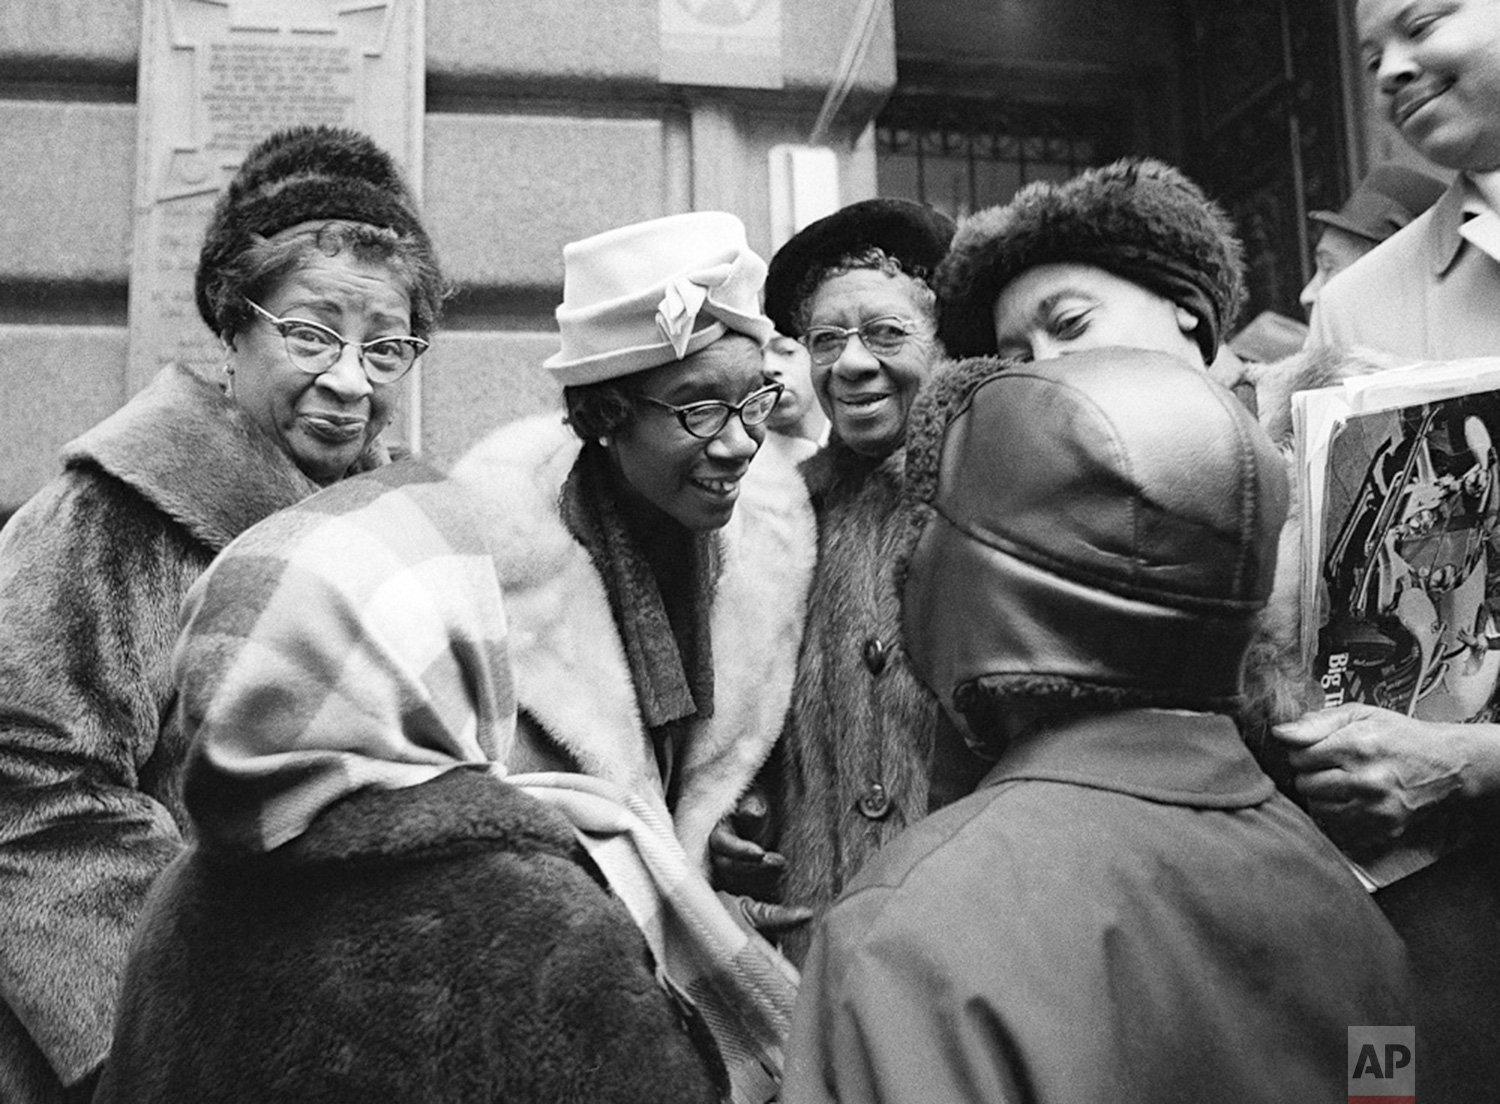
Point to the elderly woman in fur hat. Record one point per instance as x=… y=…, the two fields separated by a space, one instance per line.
x=1131 y=254
x=318 y=276
x=856 y=761
x=1134 y=254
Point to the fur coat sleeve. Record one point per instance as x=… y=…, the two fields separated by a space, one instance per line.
x=90 y=578
x=92 y=571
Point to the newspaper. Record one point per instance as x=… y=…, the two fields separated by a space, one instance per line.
x=1400 y=485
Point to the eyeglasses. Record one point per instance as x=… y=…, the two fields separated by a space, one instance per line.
x=315 y=349
x=706 y=420
x=882 y=336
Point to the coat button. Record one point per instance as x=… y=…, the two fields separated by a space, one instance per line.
x=875 y=653
x=875 y=803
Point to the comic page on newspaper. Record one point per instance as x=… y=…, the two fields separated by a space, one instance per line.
x=1400 y=481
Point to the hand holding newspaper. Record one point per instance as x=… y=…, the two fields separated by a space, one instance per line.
x=1399 y=475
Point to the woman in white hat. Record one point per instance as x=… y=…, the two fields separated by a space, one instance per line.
x=655 y=583
x=655 y=579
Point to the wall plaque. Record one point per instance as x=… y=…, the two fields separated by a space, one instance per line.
x=727 y=43
x=217 y=76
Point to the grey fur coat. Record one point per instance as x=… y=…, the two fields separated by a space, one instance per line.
x=92 y=571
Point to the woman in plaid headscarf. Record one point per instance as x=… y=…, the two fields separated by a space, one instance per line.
x=370 y=911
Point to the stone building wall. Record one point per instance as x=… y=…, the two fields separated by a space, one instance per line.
x=544 y=122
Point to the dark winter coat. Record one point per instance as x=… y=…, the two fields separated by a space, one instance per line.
x=92 y=572
x=859 y=748
x=1125 y=911
x=436 y=943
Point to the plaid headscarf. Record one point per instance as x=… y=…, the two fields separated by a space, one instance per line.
x=355 y=640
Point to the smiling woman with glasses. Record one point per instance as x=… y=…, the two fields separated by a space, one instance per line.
x=705 y=420
x=656 y=562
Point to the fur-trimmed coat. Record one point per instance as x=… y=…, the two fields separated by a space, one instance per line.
x=859 y=747
x=444 y=942
x=573 y=683
x=92 y=572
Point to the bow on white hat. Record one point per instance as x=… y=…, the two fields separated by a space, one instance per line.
x=654 y=292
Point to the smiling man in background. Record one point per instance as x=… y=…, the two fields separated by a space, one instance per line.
x=1432 y=291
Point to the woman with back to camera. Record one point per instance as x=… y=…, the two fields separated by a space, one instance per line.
x=318 y=276
x=370 y=911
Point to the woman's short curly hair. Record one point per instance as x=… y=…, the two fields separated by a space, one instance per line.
x=987 y=702
x=874 y=259
x=257 y=269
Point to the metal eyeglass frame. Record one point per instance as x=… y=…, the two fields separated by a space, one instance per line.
x=907 y=326
x=281 y=326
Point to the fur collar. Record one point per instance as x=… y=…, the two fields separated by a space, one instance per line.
x=1277 y=382
x=460 y=808
x=571 y=673
x=836 y=471
x=197 y=457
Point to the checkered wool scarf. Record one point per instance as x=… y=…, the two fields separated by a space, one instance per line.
x=355 y=640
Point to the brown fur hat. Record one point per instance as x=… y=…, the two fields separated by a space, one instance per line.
x=300 y=175
x=1137 y=218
